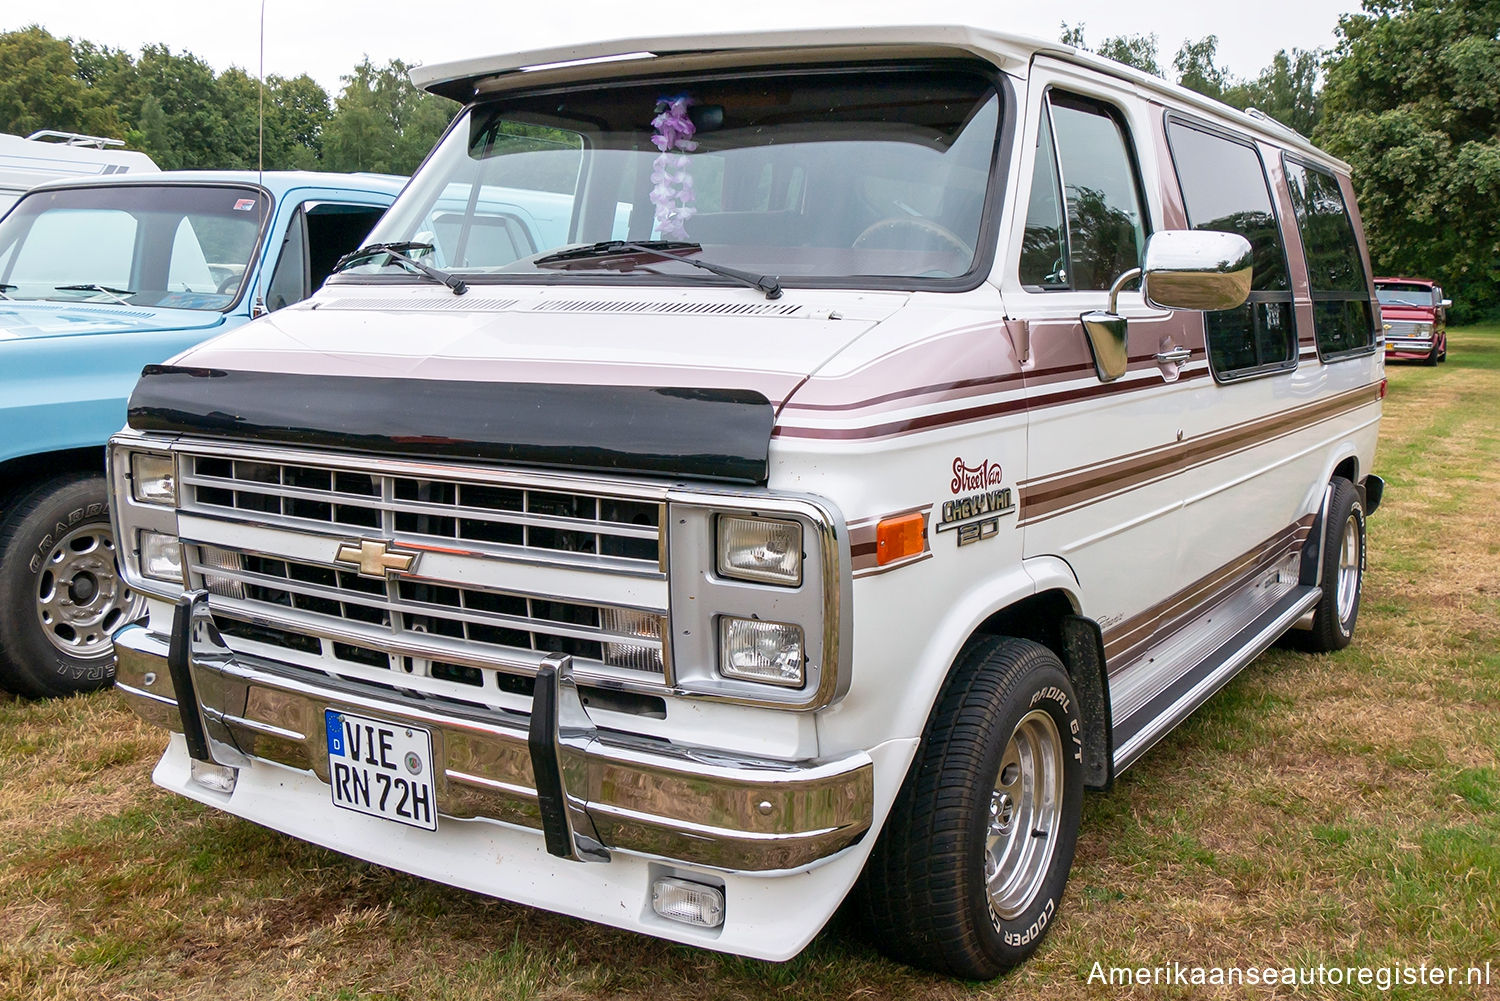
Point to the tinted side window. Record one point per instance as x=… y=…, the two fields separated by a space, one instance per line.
x=1224 y=188
x=1104 y=225
x=1343 y=316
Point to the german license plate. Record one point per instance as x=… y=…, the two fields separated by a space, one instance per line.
x=381 y=769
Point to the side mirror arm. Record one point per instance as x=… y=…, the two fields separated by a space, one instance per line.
x=1108 y=334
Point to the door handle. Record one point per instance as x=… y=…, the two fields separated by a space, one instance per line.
x=1171 y=356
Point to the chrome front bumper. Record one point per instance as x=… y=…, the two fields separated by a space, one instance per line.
x=599 y=791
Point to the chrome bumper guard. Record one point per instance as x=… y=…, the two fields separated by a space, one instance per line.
x=588 y=791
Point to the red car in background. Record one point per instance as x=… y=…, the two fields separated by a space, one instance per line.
x=1415 y=316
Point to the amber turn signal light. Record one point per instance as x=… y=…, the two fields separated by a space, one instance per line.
x=898 y=538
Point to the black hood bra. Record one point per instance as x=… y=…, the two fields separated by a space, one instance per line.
x=706 y=434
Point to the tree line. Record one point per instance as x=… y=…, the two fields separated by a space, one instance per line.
x=1409 y=95
x=173 y=106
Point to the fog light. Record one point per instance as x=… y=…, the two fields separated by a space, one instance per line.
x=161 y=556
x=153 y=479
x=768 y=652
x=760 y=549
x=690 y=903
x=210 y=776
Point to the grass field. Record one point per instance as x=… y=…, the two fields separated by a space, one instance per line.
x=1338 y=810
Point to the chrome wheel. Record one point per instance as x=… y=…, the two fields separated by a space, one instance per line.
x=1348 y=572
x=80 y=599
x=1025 y=815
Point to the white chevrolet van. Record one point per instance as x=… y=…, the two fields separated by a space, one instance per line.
x=906 y=430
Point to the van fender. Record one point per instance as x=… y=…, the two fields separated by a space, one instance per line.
x=964 y=618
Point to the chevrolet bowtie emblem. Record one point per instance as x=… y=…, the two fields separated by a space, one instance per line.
x=375 y=559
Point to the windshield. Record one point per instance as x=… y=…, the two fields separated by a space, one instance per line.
x=879 y=172
x=179 y=246
x=1391 y=294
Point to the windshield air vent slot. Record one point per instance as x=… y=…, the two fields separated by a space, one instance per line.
x=667 y=308
x=446 y=303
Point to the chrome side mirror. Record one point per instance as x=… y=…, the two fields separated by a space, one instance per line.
x=1196 y=269
x=1447 y=303
x=1183 y=269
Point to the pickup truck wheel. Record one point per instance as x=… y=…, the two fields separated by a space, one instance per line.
x=970 y=867
x=61 y=594
x=1343 y=572
x=1432 y=356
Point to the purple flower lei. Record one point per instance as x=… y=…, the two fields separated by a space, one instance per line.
x=672 y=185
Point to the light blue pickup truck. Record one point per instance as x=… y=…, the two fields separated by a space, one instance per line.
x=99 y=278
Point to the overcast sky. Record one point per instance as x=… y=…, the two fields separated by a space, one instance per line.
x=325 y=38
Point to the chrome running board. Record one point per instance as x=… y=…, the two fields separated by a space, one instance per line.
x=1196 y=686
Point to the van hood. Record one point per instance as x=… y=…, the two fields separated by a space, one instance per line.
x=654 y=337
x=653 y=381
x=24 y=320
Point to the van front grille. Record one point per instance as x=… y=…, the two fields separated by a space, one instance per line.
x=506 y=569
x=615 y=532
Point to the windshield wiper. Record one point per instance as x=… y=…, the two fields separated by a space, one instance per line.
x=117 y=294
x=395 y=252
x=6 y=287
x=623 y=255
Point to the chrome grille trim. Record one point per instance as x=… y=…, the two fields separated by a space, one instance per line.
x=474 y=617
x=533 y=519
x=1409 y=328
x=212 y=565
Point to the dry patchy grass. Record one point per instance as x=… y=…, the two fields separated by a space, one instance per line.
x=1336 y=810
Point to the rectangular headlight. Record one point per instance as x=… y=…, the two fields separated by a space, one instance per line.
x=760 y=549
x=767 y=652
x=161 y=556
x=153 y=478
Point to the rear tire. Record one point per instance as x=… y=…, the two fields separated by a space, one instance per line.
x=61 y=594
x=1343 y=572
x=969 y=870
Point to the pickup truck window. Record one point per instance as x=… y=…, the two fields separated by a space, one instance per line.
x=823 y=174
x=184 y=247
x=316 y=237
x=1224 y=188
x=1342 y=314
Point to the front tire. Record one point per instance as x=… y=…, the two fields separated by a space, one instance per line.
x=1343 y=571
x=61 y=594
x=969 y=870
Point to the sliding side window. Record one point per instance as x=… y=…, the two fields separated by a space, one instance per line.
x=1343 y=316
x=1224 y=188
x=1085 y=221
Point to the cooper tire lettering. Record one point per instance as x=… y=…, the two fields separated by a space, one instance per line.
x=952 y=885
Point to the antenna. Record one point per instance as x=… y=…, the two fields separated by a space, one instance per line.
x=258 y=306
x=260 y=152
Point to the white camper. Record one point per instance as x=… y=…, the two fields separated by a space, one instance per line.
x=46 y=156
